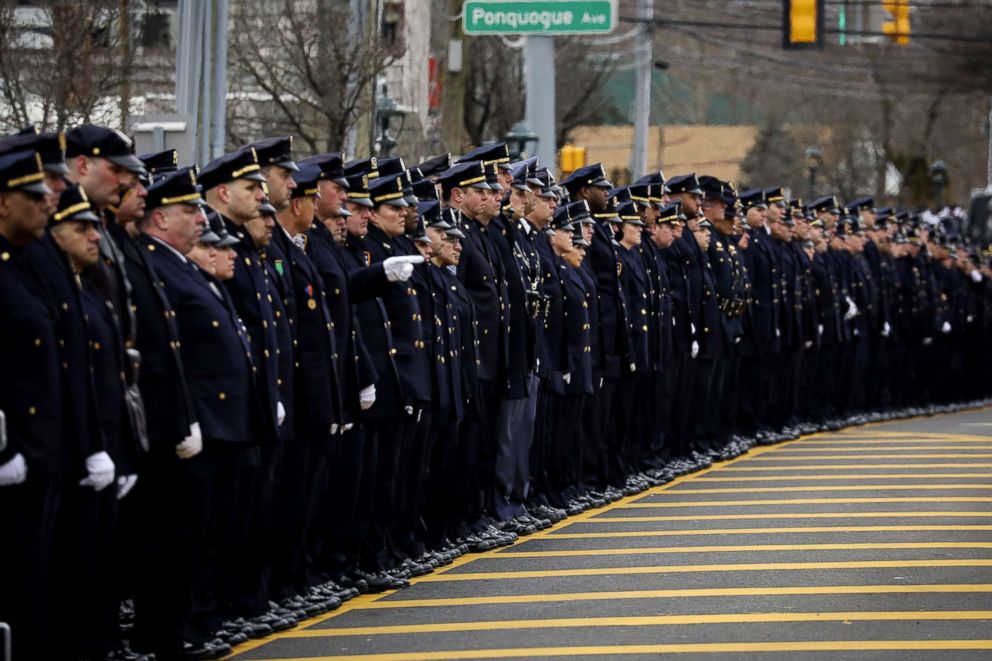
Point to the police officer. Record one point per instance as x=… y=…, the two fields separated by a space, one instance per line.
x=36 y=462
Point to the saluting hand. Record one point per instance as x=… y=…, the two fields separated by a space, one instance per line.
x=399 y=269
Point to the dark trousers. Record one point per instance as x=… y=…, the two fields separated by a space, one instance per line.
x=29 y=512
x=85 y=599
x=441 y=511
x=171 y=537
x=479 y=436
x=681 y=425
x=288 y=574
x=514 y=440
x=594 y=461
x=229 y=477
x=339 y=510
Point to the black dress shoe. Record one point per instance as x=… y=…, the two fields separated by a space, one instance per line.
x=348 y=581
x=125 y=653
x=194 y=651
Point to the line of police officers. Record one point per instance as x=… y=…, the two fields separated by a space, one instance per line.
x=239 y=395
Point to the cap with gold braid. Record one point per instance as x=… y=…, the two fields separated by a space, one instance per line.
x=179 y=187
x=51 y=147
x=470 y=174
x=161 y=162
x=670 y=213
x=240 y=164
x=22 y=171
x=775 y=196
x=306 y=178
x=387 y=190
x=358 y=190
x=74 y=206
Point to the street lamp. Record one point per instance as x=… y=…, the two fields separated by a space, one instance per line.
x=938 y=179
x=813 y=164
x=386 y=110
x=517 y=139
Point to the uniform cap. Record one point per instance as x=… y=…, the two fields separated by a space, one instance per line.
x=23 y=171
x=74 y=206
x=330 y=164
x=387 y=190
x=239 y=164
x=179 y=187
x=275 y=151
x=50 y=146
x=102 y=142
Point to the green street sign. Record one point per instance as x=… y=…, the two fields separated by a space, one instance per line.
x=551 y=17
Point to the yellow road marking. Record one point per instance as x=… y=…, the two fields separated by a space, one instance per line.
x=846 y=487
x=800 y=501
x=802 y=447
x=885 y=441
x=705 y=569
x=767 y=531
x=742 y=549
x=855 y=455
x=798 y=590
x=895 y=514
x=672 y=648
x=646 y=621
x=879 y=433
x=869 y=476
x=820 y=467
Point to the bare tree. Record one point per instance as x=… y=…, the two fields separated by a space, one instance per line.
x=296 y=68
x=494 y=96
x=63 y=63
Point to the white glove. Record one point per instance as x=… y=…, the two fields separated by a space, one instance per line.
x=408 y=409
x=399 y=269
x=857 y=333
x=366 y=397
x=927 y=341
x=347 y=427
x=976 y=276
x=695 y=349
x=886 y=329
x=567 y=378
x=334 y=428
x=100 y=471
x=192 y=445
x=945 y=328
x=692 y=327
x=14 y=471
x=852 y=309
x=778 y=333
x=808 y=343
x=124 y=485
x=280 y=414
x=673 y=322
x=819 y=329
x=970 y=318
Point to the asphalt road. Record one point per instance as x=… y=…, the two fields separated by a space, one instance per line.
x=871 y=543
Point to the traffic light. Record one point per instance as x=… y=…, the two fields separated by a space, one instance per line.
x=571 y=158
x=898 y=28
x=803 y=24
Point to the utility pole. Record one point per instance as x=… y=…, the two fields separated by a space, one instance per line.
x=453 y=92
x=218 y=127
x=642 y=89
x=539 y=81
x=988 y=166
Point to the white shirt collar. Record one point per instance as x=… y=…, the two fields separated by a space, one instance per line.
x=174 y=251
